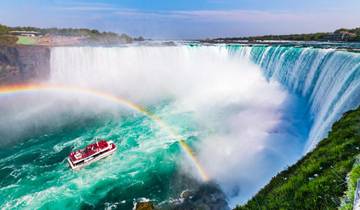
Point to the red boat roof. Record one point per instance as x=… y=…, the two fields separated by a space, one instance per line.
x=89 y=150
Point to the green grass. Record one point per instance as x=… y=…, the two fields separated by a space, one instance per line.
x=323 y=179
x=24 y=40
x=353 y=176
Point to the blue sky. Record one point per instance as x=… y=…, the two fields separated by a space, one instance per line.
x=176 y=19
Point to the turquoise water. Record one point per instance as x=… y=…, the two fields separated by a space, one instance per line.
x=328 y=79
x=35 y=174
x=245 y=123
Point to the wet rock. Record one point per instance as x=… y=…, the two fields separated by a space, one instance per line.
x=144 y=205
x=207 y=196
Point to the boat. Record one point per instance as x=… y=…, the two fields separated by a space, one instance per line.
x=91 y=153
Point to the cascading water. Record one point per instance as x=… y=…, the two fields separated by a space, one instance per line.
x=328 y=79
x=242 y=127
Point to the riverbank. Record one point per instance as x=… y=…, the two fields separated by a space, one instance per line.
x=339 y=35
x=61 y=36
x=324 y=179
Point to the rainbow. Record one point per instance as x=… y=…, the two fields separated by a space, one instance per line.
x=11 y=89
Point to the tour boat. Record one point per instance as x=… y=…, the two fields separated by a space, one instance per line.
x=91 y=153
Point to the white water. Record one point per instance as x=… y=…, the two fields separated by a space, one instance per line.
x=327 y=78
x=248 y=128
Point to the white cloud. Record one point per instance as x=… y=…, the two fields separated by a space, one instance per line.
x=183 y=24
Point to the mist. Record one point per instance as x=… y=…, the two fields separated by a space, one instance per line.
x=247 y=128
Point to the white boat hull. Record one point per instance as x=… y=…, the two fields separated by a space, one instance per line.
x=91 y=160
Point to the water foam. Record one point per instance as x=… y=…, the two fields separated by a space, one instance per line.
x=328 y=79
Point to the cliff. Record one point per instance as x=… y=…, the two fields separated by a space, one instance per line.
x=324 y=179
x=20 y=64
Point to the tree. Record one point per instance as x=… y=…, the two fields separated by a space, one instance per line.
x=4 y=29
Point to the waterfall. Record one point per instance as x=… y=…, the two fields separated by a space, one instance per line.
x=246 y=111
x=236 y=97
x=328 y=79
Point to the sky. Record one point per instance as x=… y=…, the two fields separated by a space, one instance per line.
x=185 y=19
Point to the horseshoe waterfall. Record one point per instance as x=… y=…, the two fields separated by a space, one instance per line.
x=217 y=121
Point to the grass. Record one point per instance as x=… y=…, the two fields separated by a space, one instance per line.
x=24 y=40
x=323 y=179
x=348 y=199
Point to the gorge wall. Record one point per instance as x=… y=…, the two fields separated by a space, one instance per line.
x=20 y=64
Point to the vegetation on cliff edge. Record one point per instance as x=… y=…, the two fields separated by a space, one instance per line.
x=347 y=35
x=323 y=179
x=5 y=38
x=91 y=35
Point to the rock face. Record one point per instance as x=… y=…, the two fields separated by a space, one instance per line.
x=207 y=196
x=21 y=64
